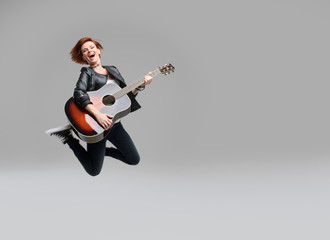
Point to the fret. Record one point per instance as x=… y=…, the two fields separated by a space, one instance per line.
x=111 y=100
x=164 y=70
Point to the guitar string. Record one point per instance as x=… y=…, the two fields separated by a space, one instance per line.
x=134 y=85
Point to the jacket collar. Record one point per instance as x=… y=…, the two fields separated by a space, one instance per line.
x=114 y=72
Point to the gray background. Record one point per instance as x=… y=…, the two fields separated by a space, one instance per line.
x=234 y=144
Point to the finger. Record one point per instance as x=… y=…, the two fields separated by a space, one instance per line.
x=106 y=126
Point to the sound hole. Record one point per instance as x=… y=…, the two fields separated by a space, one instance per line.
x=108 y=100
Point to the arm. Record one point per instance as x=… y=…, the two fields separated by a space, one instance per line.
x=103 y=119
x=147 y=81
x=81 y=97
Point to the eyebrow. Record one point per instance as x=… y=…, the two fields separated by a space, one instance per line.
x=89 y=46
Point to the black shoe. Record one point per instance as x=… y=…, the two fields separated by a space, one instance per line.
x=63 y=133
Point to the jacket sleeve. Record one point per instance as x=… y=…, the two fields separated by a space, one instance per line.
x=80 y=95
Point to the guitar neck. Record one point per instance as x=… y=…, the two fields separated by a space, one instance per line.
x=134 y=85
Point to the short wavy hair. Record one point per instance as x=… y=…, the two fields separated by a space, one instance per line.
x=76 y=54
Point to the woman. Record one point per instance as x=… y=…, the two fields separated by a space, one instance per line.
x=87 y=51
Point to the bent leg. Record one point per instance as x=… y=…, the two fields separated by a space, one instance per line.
x=92 y=159
x=125 y=150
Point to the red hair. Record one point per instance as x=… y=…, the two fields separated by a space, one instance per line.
x=76 y=54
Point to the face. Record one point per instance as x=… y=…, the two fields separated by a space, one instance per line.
x=90 y=53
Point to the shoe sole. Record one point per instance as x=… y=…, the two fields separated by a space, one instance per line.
x=58 y=129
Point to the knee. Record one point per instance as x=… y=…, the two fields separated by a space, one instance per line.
x=94 y=172
x=134 y=160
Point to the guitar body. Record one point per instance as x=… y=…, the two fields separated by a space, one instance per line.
x=111 y=100
x=85 y=126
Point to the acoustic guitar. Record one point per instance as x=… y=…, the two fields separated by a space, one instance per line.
x=109 y=99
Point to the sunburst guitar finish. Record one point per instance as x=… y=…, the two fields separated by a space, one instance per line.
x=85 y=126
x=111 y=100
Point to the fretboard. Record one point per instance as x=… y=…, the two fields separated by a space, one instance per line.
x=134 y=85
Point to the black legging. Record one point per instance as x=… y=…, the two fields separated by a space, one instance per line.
x=92 y=159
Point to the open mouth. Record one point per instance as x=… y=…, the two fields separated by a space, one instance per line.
x=92 y=55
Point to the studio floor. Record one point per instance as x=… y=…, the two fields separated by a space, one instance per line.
x=234 y=200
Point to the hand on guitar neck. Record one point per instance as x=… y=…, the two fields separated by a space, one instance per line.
x=109 y=104
x=147 y=81
x=103 y=119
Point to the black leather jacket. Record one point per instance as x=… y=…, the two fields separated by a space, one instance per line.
x=89 y=80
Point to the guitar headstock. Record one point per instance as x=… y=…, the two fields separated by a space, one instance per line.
x=166 y=69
